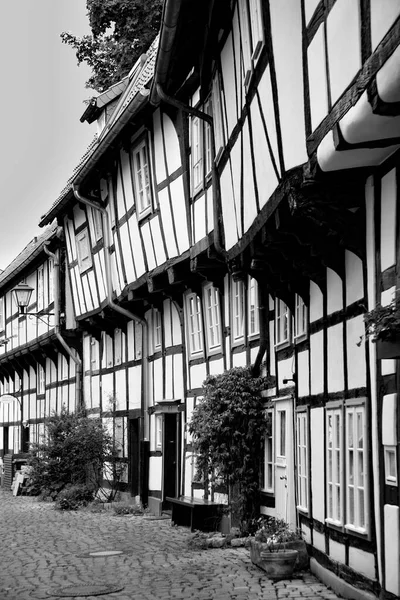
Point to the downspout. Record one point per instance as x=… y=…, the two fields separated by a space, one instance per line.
x=116 y=307
x=214 y=173
x=264 y=323
x=56 y=291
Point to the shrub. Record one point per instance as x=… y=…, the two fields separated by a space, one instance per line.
x=74 y=497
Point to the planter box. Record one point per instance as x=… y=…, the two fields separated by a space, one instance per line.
x=302 y=562
x=388 y=348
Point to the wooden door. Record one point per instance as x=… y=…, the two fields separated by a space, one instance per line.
x=284 y=462
x=170 y=456
x=134 y=456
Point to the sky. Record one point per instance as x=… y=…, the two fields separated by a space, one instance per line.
x=42 y=97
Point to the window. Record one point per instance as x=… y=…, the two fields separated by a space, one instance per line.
x=40 y=288
x=207 y=139
x=159 y=428
x=1 y=313
x=355 y=468
x=141 y=173
x=254 y=315
x=156 y=330
x=282 y=433
x=51 y=280
x=300 y=317
x=282 y=325
x=84 y=254
x=195 y=330
x=201 y=148
x=334 y=472
x=257 y=28
x=211 y=297
x=97 y=224
x=302 y=460
x=237 y=310
x=252 y=34
x=390 y=465
x=218 y=114
x=269 y=470
x=40 y=384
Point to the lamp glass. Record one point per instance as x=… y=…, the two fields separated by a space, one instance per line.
x=22 y=294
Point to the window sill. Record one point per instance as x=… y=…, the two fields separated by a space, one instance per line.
x=356 y=530
x=303 y=510
x=335 y=524
x=300 y=338
x=282 y=345
x=144 y=213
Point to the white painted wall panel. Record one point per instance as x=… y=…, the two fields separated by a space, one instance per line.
x=93 y=288
x=167 y=326
x=249 y=197
x=127 y=253
x=356 y=362
x=239 y=359
x=267 y=103
x=157 y=241
x=100 y=277
x=317 y=463
x=148 y=246
x=169 y=377
x=179 y=211
x=335 y=358
x=216 y=366
x=199 y=217
x=120 y=196
x=319 y=541
x=86 y=291
x=228 y=77
x=265 y=172
x=236 y=172
x=135 y=387
x=317 y=78
x=388 y=220
x=160 y=172
x=344 y=45
x=127 y=179
x=197 y=375
x=171 y=145
x=392 y=549
x=210 y=209
x=80 y=290
x=334 y=288
x=303 y=373
x=362 y=562
x=389 y=420
x=136 y=246
x=120 y=389
x=317 y=363
x=337 y=551
x=166 y=218
x=178 y=377
x=383 y=15
x=286 y=25
x=79 y=216
x=309 y=7
x=228 y=210
x=239 y=67
x=158 y=380
x=176 y=326
x=354 y=278
x=155 y=470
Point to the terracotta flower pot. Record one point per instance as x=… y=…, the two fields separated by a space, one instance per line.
x=302 y=562
x=278 y=565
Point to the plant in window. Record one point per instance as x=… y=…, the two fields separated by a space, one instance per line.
x=228 y=428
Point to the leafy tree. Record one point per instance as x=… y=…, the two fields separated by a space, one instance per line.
x=122 y=30
x=228 y=428
x=72 y=452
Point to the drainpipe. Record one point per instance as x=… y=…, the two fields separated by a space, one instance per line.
x=116 y=307
x=215 y=179
x=56 y=292
x=264 y=323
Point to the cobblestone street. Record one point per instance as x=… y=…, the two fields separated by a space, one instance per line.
x=44 y=551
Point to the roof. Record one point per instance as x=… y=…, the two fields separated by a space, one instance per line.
x=134 y=97
x=96 y=104
x=28 y=254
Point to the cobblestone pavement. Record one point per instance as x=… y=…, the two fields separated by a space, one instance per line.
x=43 y=551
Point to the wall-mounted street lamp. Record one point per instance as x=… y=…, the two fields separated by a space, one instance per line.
x=22 y=294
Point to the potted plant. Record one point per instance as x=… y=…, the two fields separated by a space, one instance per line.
x=382 y=326
x=277 y=549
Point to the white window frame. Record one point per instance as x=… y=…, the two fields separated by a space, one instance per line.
x=194 y=325
x=212 y=317
x=238 y=310
x=40 y=380
x=269 y=456
x=159 y=431
x=51 y=280
x=300 y=318
x=281 y=433
x=84 y=250
x=391 y=461
x=253 y=307
x=157 y=330
x=142 y=178
x=217 y=99
x=2 y=319
x=207 y=140
x=334 y=465
x=257 y=29
x=197 y=154
x=356 y=468
x=246 y=40
x=40 y=288
x=282 y=323
x=302 y=461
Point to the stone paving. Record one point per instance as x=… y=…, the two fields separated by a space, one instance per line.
x=44 y=551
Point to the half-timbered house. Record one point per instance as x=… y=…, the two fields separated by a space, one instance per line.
x=239 y=206
x=40 y=367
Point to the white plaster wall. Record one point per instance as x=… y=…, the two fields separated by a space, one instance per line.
x=356 y=361
x=389 y=420
x=120 y=389
x=319 y=541
x=316 y=308
x=137 y=249
x=354 y=278
x=158 y=380
x=176 y=326
x=178 y=376
x=155 y=470
x=228 y=209
x=179 y=210
x=306 y=533
x=199 y=210
x=236 y=172
x=344 y=45
x=249 y=196
x=171 y=145
x=148 y=245
x=228 y=76
x=239 y=359
x=335 y=358
x=337 y=551
x=317 y=78
x=317 y=464
x=197 y=375
x=209 y=209
x=160 y=172
x=334 y=287
x=267 y=102
x=285 y=371
x=158 y=241
x=303 y=375
x=388 y=220
x=383 y=15
x=317 y=363
x=127 y=179
x=392 y=549
x=362 y=562
x=169 y=377
x=387 y=80
x=135 y=387
x=167 y=223
x=216 y=366
x=286 y=26
x=310 y=6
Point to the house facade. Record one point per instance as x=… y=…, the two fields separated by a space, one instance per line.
x=239 y=207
